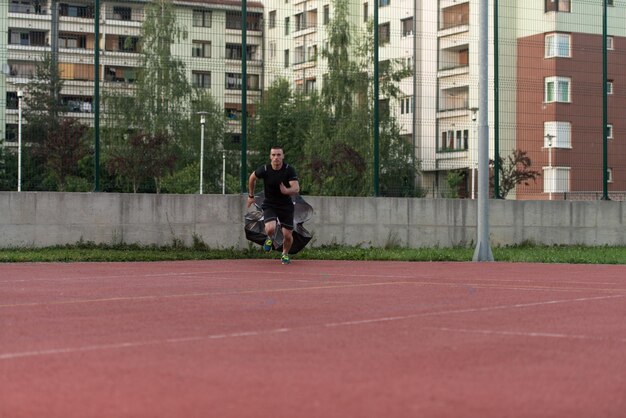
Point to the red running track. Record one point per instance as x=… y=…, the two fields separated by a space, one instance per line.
x=323 y=339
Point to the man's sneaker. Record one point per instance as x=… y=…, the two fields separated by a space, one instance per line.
x=267 y=245
x=285 y=259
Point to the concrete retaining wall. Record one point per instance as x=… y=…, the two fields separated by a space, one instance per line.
x=40 y=219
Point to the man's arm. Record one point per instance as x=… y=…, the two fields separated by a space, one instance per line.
x=294 y=188
x=251 y=183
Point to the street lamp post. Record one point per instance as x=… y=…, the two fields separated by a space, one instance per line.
x=223 y=171
x=549 y=137
x=474 y=111
x=202 y=123
x=20 y=96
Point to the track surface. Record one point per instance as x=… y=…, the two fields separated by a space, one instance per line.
x=323 y=339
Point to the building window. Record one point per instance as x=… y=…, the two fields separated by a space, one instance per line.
x=272 y=48
x=609 y=87
x=557 y=89
x=272 y=19
x=34 y=38
x=557 y=134
x=298 y=55
x=201 y=80
x=609 y=43
x=287 y=26
x=384 y=33
x=234 y=52
x=609 y=172
x=609 y=131
x=309 y=86
x=312 y=53
x=326 y=14
x=299 y=22
x=122 y=13
x=202 y=18
x=365 y=12
x=71 y=10
x=233 y=81
x=556 y=179
x=454 y=140
x=128 y=43
x=557 y=45
x=11 y=132
x=201 y=49
x=253 y=21
x=286 y=58
x=406 y=105
x=70 y=40
x=407 y=26
x=383 y=3
x=557 y=6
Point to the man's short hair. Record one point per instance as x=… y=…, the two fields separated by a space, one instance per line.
x=280 y=147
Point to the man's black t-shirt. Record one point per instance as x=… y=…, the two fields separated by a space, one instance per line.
x=271 y=182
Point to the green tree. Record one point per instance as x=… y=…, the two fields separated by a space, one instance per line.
x=339 y=147
x=62 y=150
x=42 y=117
x=42 y=102
x=282 y=118
x=186 y=177
x=515 y=170
x=158 y=106
x=148 y=157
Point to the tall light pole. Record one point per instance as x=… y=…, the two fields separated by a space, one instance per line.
x=552 y=179
x=483 y=249
x=474 y=111
x=223 y=171
x=202 y=123
x=20 y=97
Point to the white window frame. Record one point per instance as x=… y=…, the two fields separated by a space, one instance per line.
x=560 y=132
x=558 y=83
x=202 y=18
x=272 y=19
x=609 y=87
x=609 y=171
x=201 y=79
x=609 y=131
x=201 y=49
x=610 y=44
x=555 y=42
x=556 y=179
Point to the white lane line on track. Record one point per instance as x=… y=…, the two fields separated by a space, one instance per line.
x=470 y=310
x=299 y=289
x=69 y=350
x=132 y=344
x=523 y=334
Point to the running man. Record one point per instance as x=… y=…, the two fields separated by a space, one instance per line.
x=280 y=182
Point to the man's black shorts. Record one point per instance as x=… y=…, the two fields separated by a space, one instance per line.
x=284 y=213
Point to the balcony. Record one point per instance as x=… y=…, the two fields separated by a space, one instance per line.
x=454 y=16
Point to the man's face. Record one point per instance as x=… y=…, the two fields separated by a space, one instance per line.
x=276 y=156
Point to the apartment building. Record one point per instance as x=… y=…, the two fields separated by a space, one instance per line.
x=549 y=61
x=296 y=33
x=211 y=52
x=560 y=98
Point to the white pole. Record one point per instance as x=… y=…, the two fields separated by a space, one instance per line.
x=223 y=171
x=20 y=95
x=202 y=122
x=552 y=180
x=482 y=251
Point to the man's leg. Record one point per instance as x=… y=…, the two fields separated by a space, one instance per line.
x=270 y=228
x=287 y=240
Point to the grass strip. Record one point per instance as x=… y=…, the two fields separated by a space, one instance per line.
x=84 y=252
